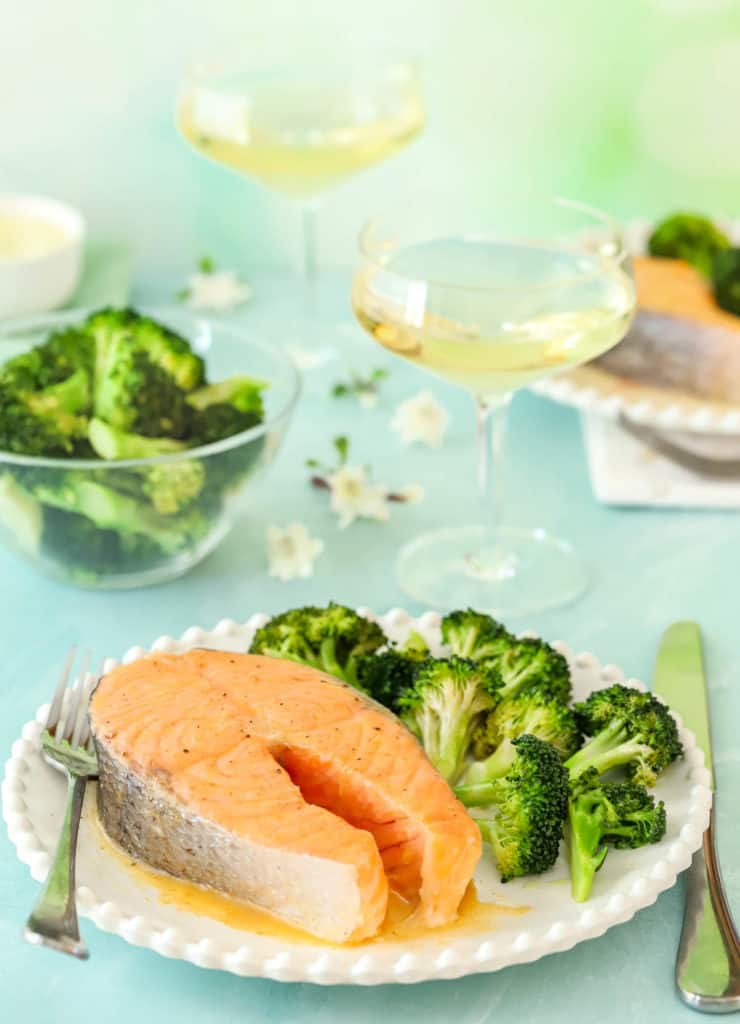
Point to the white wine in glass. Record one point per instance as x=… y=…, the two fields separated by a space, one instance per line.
x=493 y=314
x=302 y=128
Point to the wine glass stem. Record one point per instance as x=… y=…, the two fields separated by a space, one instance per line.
x=309 y=261
x=491 y=415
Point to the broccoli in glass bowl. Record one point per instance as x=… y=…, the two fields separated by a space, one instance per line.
x=129 y=441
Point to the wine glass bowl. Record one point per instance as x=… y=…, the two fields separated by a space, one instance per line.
x=492 y=313
x=300 y=128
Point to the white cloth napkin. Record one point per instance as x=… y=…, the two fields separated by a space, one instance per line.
x=624 y=471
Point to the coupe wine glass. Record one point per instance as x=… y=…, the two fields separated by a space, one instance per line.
x=302 y=127
x=493 y=313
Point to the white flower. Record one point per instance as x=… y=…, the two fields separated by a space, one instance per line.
x=354 y=497
x=291 y=551
x=219 y=290
x=412 y=494
x=309 y=358
x=421 y=418
x=367 y=399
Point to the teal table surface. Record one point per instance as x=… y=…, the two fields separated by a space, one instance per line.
x=649 y=568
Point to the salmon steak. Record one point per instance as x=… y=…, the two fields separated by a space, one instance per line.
x=276 y=784
x=680 y=338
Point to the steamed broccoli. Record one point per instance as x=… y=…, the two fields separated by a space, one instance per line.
x=471 y=634
x=414 y=646
x=529 y=665
x=169 y=351
x=627 y=727
x=122 y=387
x=61 y=355
x=133 y=394
x=49 y=422
x=90 y=550
x=332 y=639
x=726 y=280
x=529 y=800
x=111 y=510
x=622 y=815
x=168 y=485
x=110 y=443
x=526 y=665
x=142 y=374
x=388 y=673
x=689 y=237
x=20 y=514
x=226 y=408
x=444 y=705
x=531 y=713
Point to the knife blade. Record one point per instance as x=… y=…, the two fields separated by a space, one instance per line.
x=708 y=959
x=680 y=681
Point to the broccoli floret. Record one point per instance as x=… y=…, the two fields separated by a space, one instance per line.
x=110 y=443
x=226 y=408
x=61 y=355
x=415 y=646
x=48 y=422
x=442 y=708
x=529 y=799
x=169 y=486
x=689 y=237
x=531 y=713
x=530 y=665
x=20 y=514
x=471 y=634
x=169 y=351
x=141 y=374
x=332 y=639
x=111 y=510
x=133 y=394
x=386 y=674
x=87 y=551
x=601 y=814
x=726 y=280
x=627 y=728
x=525 y=665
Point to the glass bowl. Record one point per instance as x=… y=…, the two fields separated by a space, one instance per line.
x=127 y=538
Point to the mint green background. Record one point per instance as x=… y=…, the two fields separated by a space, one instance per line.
x=630 y=105
x=559 y=97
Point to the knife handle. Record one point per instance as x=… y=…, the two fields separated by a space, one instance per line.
x=708 y=961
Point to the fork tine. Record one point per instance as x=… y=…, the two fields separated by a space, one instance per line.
x=85 y=738
x=68 y=718
x=52 y=719
x=79 y=735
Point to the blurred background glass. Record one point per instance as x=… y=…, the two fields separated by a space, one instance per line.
x=300 y=127
x=628 y=106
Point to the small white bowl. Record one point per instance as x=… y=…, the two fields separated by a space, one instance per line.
x=41 y=280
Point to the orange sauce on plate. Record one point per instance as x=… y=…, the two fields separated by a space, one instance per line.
x=401 y=924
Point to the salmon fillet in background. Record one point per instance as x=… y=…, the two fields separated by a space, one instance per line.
x=277 y=784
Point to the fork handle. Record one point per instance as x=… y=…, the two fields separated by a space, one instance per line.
x=53 y=921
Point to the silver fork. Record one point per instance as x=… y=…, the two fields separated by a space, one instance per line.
x=67 y=745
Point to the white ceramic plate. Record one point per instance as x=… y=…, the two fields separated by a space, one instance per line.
x=119 y=902
x=593 y=389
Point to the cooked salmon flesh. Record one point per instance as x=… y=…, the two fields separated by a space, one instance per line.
x=274 y=783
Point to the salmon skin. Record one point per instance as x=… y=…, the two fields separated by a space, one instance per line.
x=276 y=784
x=679 y=337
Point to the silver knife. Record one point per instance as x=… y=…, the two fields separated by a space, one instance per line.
x=708 y=960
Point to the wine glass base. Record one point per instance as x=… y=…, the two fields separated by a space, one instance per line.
x=506 y=572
